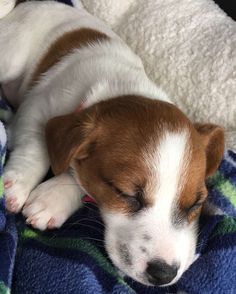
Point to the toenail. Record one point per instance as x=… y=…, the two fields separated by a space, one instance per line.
x=51 y=223
x=33 y=221
x=7 y=184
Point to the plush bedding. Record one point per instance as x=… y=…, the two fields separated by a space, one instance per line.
x=73 y=259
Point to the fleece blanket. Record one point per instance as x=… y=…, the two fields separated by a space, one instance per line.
x=8 y=233
x=187 y=47
x=73 y=260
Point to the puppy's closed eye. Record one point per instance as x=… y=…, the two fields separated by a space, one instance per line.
x=134 y=200
x=193 y=210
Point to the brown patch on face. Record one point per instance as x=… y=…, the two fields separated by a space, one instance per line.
x=206 y=148
x=212 y=137
x=64 y=45
x=194 y=178
x=121 y=131
x=106 y=144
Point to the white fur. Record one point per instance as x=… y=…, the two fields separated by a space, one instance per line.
x=168 y=160
x=87 y=75
x=188 y=48
x=170 y=242
x=53 y=202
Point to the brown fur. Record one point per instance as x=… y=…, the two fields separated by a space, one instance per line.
x=207 y=147
x=63 y=46
x=105 y=144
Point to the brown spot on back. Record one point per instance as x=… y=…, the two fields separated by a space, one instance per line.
x=63 y=46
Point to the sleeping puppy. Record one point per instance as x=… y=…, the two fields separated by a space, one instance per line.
x=110 y=133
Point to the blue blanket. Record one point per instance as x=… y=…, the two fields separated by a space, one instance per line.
x=73 y=260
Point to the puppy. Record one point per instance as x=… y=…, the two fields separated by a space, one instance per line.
x=86 y=106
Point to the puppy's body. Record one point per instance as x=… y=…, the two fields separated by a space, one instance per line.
x=43 y=25
x=100 y=69
x=135 y=153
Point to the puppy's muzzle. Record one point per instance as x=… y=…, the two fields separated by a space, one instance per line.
x=160 y=273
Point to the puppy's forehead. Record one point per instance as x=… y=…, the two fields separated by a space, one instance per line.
x=150 y=147
x=167 y=163
x=139 y=120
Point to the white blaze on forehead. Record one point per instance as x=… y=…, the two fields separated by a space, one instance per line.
x=167 y=164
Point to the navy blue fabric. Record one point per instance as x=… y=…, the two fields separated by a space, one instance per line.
x=73 y=259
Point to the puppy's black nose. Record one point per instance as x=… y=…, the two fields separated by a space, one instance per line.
x=160 y=273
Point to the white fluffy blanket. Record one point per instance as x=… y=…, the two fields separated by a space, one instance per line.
x=188 y=47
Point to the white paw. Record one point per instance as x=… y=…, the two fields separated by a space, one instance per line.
x=16 y=190
x=50 y=205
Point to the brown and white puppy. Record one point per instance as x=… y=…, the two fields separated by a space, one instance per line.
x=111 y=133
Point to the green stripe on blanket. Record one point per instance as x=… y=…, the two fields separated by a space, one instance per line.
x=224 y=186
x=226 y=226
x=76 y=244
x=4 y=289
x=1 y=188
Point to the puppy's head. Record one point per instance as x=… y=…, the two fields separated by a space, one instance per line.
x=145 y=164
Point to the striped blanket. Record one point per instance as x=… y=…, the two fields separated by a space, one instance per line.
x=73 y=259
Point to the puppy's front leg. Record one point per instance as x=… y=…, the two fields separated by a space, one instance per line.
x=28 y=162
x=53 y=202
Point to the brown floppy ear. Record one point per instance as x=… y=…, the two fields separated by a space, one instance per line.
x=213 y=139
x=68 y=136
